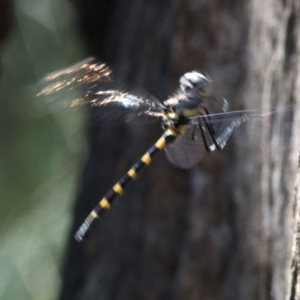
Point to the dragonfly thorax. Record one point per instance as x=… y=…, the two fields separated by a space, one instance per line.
x=180 y=109
x=185 y=105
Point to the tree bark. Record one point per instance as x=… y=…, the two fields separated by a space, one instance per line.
x=228 y=228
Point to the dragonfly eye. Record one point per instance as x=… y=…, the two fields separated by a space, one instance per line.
x=196 y=81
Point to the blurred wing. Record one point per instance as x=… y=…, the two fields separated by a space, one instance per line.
x=246 y=126
x=63 y=85
x=91 y=83
x=187 y=149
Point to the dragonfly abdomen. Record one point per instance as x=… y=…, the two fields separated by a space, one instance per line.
x=105 y=203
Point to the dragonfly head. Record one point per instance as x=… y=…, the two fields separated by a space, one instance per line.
x=196 y=82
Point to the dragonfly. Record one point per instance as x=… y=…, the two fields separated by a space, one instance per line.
x=193 y=121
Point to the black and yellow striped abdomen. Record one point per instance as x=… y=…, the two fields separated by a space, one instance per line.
x=105 y=203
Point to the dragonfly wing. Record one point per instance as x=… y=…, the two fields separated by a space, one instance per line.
x=246 y=126
x=187 y=149
x=66 y=83
x=91 y=83
x=117 y=104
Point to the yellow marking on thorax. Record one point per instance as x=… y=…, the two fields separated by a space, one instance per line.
x=172 y=115
x=190 y=112
x=104 y=204
x=146 y=159
x=161 y=143
x=118 y=189
x=132 y=173
x=94 y=215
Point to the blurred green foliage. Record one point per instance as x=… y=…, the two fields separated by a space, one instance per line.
x=40 y=151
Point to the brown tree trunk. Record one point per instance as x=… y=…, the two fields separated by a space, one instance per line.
x=272 y=81
x=244 y=227
x=293 y=288
x=224 y=229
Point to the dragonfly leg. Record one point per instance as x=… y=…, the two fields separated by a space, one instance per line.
x=193 y=133
x=210 y=129
x=202 y=130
